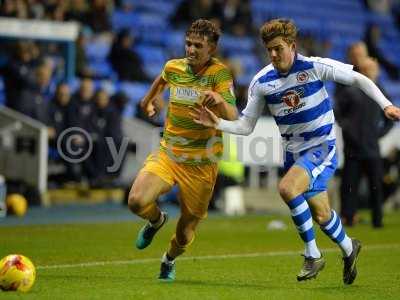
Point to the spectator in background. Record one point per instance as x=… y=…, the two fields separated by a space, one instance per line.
x=356 y=53
x=190 y=10
x=56 y=11
x=124 y=60
x=77 y=11
x=363 y=123
x=84 y=110
x=61 y=114
x=83 y=104
x=81 y=65
x=396 y=13
x=98 y=16
x=14 y=9
x=372 y=38
x=391 y=179
x=378 y=6
x=36 y=9
x=107 y=124
x=236 y=17
x=119 y=100
x=61 y=117
x=33 y=100
x=17 y=74
x=310 y=46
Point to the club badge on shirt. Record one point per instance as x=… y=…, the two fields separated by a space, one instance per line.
x=302 y=77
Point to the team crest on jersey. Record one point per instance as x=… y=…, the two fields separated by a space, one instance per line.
x=203 y=81
x=302 y=77
x=291 y=98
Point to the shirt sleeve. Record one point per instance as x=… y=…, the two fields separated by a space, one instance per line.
x=247 y=122
x=224 y=85
x=165 y=72
x=255 y=101
x=329 y=69
x=243 y=126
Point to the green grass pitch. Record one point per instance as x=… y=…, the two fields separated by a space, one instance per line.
x=231 y=258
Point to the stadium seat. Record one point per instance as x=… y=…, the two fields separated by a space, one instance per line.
x=153 y=58
x=122 y=19
x=152 y=29
x=392 y=88
x=134 y=90
x=97 y=50
x=102 y=69
x=249 y=66
x=175 y=43
x=74 y=84
x=163 y=8
x=235 y=45
x=129 y=111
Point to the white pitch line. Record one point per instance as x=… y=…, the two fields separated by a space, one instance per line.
x=205 y=257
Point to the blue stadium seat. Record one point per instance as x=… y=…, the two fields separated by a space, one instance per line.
x=153 y=58
x=392 y=87
x=102 y=69
x=313 y=26
x=134 y=90
x=236 y=45
x=107 y=85
x=97 y=50
x=129 y=111
x=175 y=43
x=74 y=84
x=249 y=65
x=122 y=19
x=161 y=7
x=152 y=69
x=152 y=29
x=345 y=29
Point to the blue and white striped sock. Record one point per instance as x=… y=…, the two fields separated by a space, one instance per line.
x=334 y=229
x=301 y=216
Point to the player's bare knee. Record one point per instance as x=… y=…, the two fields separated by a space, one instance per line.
x=135 y=201
x=287 y=190
x=322 y=216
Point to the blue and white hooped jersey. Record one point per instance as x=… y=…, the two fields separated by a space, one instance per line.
x=298 y=100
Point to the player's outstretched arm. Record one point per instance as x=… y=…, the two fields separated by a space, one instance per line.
x=369 y=87
x=353 y=78
x=228 y=111
x=149 y=102
x=204 y=116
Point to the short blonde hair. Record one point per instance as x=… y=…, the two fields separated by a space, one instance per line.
x=278 y=27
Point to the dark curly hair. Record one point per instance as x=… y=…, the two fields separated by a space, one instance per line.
x=202 y=27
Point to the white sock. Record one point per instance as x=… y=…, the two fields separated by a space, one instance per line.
x=165 y=259
x=336 y=232
x=347 y=246
x=311 y=250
